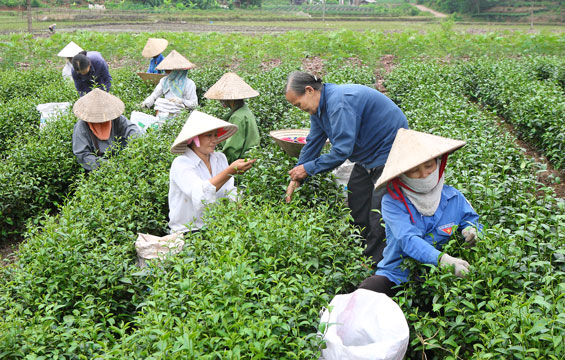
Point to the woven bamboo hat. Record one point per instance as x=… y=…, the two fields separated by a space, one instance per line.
x=199 y=123
x=230 y=87
x=175 y=61
x=70 y=50
x=98 y=106
x=154 y=47
x=412 y=148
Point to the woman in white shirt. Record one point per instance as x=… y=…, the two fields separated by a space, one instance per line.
x=175 y=91
x=200 y=176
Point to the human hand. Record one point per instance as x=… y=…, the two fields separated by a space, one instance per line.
x=145 y=105
x=470 y=235
x=298 y=173
x=176 y=100
x=460 y=266
x=240 y=165
x=293 y=185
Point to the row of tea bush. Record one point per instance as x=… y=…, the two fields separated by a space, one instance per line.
x=511 y=302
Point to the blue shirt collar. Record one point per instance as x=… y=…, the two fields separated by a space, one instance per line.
x=322 y=102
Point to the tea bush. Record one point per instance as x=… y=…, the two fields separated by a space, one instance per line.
x=251 y=284
x=546 y=68
x=39 y=166
x=20 y=93
x=535 y=108
x=35 y=175
x=510 y=304
x=76 y=292
x=71 y=291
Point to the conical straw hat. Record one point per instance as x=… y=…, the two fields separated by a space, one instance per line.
x=98 y=106
x=175 y=61
x=70 y=50
x=199 y=123
x=412 y=148
x=154 y=47
x=230 y=87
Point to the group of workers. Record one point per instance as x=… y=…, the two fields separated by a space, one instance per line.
x=398 y=175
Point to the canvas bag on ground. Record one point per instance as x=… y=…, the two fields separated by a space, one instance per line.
x=157 y=247
x=144 y=121
x=49 y=111
x=364 y=325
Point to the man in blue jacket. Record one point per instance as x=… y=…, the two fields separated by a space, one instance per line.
x=361 y=124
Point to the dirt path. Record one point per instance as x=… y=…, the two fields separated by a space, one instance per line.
x=427 y=9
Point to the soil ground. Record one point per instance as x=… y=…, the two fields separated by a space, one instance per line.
x=433 y=12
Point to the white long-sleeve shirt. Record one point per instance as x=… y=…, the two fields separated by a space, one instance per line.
x=189 y=98
x=190 y=189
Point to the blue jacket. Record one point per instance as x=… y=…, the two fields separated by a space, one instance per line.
x=422 y=240
x=361 y=124
x=98 y=75
x=153 y=64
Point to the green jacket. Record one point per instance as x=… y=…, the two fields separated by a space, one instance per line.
x=246 y=136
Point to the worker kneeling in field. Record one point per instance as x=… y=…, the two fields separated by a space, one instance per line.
x=153 y=49
x=200 y=176
x=175 y=91
x=360 y=123
x=101 y=125
x=231 y=90
x=419 y=211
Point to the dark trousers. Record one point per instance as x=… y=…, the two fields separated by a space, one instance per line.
x=380 y=284
x=362 y=199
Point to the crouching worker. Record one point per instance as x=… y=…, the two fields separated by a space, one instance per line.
x=153 y=49
x=231 y=90
x=419 y=210
x=100 y=125
x=175 y=91
x=200 y=176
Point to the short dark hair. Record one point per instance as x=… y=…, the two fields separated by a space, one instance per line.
x=80 y=61
x=298 y=80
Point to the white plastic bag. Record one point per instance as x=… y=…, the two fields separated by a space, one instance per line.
x=144 y=121
x=155 y=247
x=342 y=174
x=50 y=111
x=364 y=325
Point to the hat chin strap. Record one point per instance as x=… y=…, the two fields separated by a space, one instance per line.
x=393 y=186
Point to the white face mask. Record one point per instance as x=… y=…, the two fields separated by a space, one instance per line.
x=427 y=191
x=422 y=185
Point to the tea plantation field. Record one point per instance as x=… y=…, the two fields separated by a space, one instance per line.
x=251 y=284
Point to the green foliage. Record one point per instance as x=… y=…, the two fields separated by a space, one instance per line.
x=38 y=165
x=247 y=53
x=251 y=283
x=510 y=303
x=261 y=267
x=35 y=175
x=536 y=108
x=20 y=93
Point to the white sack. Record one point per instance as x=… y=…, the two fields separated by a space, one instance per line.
x=364 y=325
x=156 y=247
x=50 y=111
x=144 y=121
x=343 y=172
